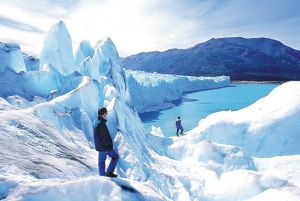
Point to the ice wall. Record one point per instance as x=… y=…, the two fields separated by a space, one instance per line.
x=190 y=83
x=29 y=85
x=11 y=57
x=150 y=89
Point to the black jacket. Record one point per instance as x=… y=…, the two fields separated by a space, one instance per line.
x=102 y=138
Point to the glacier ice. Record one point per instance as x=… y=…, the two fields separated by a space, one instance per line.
x=11 y=57
x=46 y=133
x=57 y=50
x=148 y=90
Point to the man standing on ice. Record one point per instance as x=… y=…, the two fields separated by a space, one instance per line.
x=179 y=126
x=104 y=144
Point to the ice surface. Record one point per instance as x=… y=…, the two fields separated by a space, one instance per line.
x=83 y=51
x=11 y=57
x=57 y=50
x=46 y=136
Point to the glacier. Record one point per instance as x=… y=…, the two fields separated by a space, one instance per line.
x=46 y=137
x=153 y=91
x=57 y=50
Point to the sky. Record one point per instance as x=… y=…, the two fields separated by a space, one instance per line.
x=47 y=147
x=142 y=26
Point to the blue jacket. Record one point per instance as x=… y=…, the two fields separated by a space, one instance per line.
x=102 y=138
x=178 y=124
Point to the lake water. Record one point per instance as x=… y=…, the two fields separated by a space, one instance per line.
x=197 y=105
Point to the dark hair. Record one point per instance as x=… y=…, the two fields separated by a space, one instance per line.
x=102 y=110
x=178 y=117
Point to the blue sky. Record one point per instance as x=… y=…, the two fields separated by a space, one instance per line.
x=142 y=26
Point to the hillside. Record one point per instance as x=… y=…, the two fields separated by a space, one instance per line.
x=255 y=59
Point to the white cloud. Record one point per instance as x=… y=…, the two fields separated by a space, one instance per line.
x=142 y=26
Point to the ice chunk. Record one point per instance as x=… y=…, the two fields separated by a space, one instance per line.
x=11 y=57
x=57 y=50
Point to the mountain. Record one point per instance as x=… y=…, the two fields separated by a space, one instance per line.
x=254 y=59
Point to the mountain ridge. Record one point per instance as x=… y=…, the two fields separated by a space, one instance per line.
x=254 y=59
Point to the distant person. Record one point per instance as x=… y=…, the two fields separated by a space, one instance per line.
x=179 y=126
x=104 y=144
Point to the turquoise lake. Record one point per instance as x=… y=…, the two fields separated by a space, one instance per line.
x=197 y=105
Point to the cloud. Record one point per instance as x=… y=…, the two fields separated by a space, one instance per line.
x=50 y=8
x=143 y=26
x=17 y=25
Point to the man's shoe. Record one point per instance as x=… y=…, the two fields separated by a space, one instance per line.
x=110 y=174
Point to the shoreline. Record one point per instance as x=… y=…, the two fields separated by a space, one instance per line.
x=257 y=82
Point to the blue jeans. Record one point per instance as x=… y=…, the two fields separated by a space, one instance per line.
x=113 y=163
x=178 y=130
